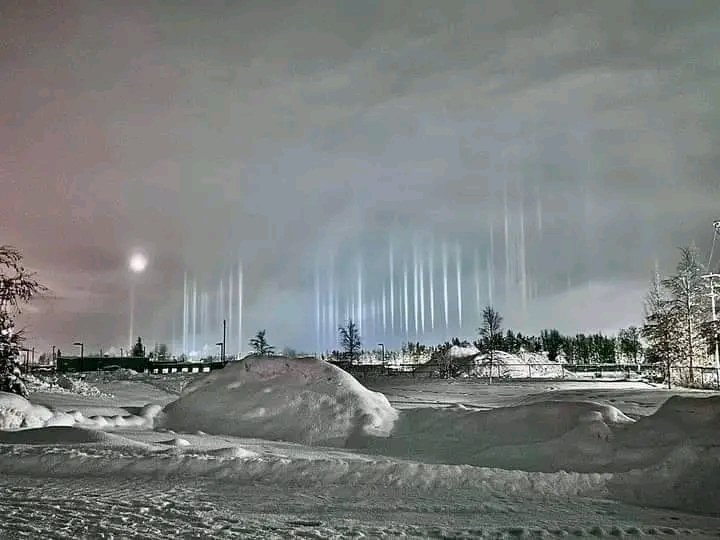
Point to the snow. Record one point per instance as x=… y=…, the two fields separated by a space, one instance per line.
x=300 y=400
x=279 y=448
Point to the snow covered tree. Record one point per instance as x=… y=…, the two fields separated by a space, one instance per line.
x=260 y=345
x=660 y=328
x=687 y=290
x=350 y=340
x=17 y=287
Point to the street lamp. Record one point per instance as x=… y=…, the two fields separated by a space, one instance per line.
x=82 y=352
x=137 y=264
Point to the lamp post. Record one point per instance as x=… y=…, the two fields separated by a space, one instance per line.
x=137 y=264
x=82 y=352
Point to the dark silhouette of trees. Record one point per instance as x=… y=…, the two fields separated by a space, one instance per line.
x=350 y=340
x=260 y=345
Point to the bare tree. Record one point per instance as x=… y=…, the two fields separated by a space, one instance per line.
x=350 y=340
x=491 y=332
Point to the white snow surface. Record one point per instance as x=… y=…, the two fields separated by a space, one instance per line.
x=302 y=400
x=436 y=459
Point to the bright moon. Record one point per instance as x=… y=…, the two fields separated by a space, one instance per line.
x=138 y=262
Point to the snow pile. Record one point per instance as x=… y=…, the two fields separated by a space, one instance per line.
x=301 y=400
x=547 y=436
x=681 y=448
x=523 y=365
x=17 y=412
x=463 y=352
x=64 y=384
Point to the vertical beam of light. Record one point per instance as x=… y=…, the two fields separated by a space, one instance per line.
x=240 y=309
x=476 y=271
x=359 y=292
x=458 y=269
x=317 y=307
x=523 y=267
x=446 y=300
x=221 y=305
x=384 y=310
x=405 y=298
x=392 y=287
x=194 y=315
x=491 y=264
x=185 y=315
x=416 y=310
x=506 y=223
x=231 y=298
x=431 y=266
x=422 y=294
x=332 y=320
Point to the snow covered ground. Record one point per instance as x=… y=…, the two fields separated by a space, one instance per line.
x=427 y=458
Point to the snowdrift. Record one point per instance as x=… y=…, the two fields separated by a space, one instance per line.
x=16 y=412
x=546 y=436
x=518 y=366
x=302 y=400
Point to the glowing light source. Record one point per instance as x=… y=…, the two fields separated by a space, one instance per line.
x=137 y=263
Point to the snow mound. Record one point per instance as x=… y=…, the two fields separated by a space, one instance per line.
x=61 y=384
x=462 y=352
x=17 y=412
x=518 y=366
x=54 y=435
x=545 y=436
x=301 y=400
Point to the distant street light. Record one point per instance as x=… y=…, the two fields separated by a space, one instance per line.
x=137 y=264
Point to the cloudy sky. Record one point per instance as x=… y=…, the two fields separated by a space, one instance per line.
x=292 y=133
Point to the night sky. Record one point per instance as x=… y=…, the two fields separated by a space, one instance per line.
x=292 y=134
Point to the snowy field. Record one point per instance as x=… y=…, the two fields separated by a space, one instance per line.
x=283 y=449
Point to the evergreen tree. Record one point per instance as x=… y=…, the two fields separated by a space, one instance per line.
x=552 y=343
x=18 y=286
x=138 y=349
x=260 y=345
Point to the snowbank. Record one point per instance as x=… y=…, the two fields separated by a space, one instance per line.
x=301 y=400
x=64 y=384
x=545 y=436
x=16 y=412
x=523 y=365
